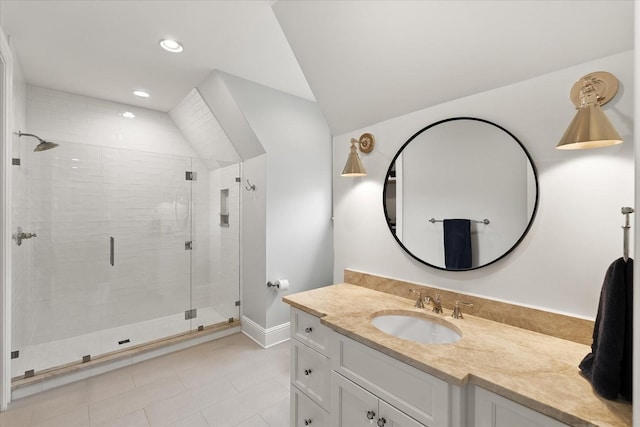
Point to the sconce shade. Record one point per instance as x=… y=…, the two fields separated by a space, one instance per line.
x=590 y=128
x=353 y=167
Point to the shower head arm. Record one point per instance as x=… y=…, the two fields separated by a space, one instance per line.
x=21 y=134
x=43 y=145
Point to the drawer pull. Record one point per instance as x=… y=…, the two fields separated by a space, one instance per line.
x=308 y=329
x=381 y=422
x=307 y=422
x=371 y=415
x=307 y=372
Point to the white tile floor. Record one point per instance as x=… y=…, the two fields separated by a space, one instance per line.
x=231 y=382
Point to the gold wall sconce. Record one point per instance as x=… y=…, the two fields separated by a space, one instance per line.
x=590 y=127
x=354 y=164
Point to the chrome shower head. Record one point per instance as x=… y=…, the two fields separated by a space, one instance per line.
x=43 y=145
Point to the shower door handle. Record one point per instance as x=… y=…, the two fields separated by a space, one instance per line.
x=112 y=244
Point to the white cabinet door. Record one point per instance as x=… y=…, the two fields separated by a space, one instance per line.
x=492 y=410
x=353 y=406
x=421 y=396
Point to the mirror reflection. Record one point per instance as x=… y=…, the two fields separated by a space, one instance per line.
x=460 y=194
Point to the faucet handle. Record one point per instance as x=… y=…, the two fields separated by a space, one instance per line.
x=420 y=301
x=457 y=313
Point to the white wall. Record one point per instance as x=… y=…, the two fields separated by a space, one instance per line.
x=254 y=240
x=296 y=190
x=561 y=263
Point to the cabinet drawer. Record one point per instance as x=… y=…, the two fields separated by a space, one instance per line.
x=310 y=372
x=305 y=412
x=416 y=393
x=308 y=329
x=395 y=418
x=492 y=410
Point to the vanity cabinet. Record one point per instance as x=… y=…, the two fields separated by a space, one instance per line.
x=413 y=396
x=310 y=371
x=353 y=406
x=339 y=382
x=492 y=410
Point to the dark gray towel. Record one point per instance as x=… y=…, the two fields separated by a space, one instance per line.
x=609 y=365
x=457 y=244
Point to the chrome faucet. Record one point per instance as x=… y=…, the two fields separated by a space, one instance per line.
x=435 y=302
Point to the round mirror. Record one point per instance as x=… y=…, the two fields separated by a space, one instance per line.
x=460 y=194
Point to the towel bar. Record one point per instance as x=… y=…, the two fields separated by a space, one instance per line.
x=484 y=221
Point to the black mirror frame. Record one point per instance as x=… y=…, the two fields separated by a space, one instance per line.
x=524 y=233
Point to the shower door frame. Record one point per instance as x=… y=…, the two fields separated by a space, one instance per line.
x=6 y=101
x=105 y=183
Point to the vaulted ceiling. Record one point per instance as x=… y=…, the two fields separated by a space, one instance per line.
x=362 y=61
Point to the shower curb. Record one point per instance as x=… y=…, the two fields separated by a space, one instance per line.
x=77 y=371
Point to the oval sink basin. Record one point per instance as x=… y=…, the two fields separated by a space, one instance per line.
x=416 y=329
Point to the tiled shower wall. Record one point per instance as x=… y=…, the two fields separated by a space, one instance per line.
x=62 y=116
x=224 y=250
x=110 y=177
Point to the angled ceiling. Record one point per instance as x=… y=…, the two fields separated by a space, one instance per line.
x=363 y=61
x=108 y=48
x=368 y=61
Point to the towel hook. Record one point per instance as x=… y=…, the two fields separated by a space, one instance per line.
x=625 y=231
x=250 y=187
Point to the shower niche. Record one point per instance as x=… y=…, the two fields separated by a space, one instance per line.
x=224 y=207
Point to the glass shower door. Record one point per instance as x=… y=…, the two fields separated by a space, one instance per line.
x=59 y=274
x=216 y=248
x=149 y=217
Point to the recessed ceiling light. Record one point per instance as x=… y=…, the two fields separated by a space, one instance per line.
x=141 y=93
x=171 y=45
x=128 y=115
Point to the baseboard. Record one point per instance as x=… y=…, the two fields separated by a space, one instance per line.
x=265 y=337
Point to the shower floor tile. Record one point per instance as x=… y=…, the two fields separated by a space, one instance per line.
x=229 y=382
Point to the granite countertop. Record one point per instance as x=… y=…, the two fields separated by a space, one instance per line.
x=536 y=370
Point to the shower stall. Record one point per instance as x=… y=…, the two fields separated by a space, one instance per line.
x=119 y=247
